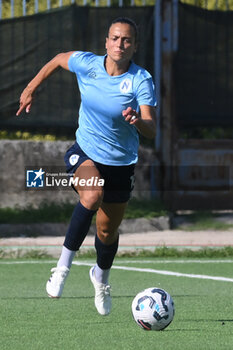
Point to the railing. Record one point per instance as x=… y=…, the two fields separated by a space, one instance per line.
x=16 y=8
x=221 y=5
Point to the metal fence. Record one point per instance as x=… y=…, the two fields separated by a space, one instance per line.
x=17 y=8
x=30 y=41
x=204 y=66
x=204 y=59
x=220 y=5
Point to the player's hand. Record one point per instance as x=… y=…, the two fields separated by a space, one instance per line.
x=130 y=115
x=25 y=101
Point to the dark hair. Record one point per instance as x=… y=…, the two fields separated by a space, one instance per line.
x=128 y=21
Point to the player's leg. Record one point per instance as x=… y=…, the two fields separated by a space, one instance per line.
x=109 y=217
x=90 y=199
x=108 y=220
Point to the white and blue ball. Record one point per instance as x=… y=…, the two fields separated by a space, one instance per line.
x=153 y=309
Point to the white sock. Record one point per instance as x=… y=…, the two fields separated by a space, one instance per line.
x=66 y=257
x=101 y=276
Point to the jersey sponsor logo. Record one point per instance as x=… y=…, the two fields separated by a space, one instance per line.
x=74 y=159
x=92 y=74
x=126 y=86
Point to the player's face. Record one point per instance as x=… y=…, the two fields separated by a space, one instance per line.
x=120 y=43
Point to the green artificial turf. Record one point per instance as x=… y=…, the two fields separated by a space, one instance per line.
x=30 y=320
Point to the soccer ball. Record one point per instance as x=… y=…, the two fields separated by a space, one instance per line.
x=153 y=309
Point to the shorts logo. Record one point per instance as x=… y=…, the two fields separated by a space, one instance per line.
x=126 y=86
x=74 y=159
x=35 y=178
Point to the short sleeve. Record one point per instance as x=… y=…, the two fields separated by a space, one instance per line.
x=79 y=61
x=145 y=93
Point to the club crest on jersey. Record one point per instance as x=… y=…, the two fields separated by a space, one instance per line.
x=74 y=159
x=126 y=86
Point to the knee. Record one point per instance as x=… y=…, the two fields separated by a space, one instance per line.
x=107 y=237
x=92 y=199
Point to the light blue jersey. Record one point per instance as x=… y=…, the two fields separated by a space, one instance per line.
x=103 y=134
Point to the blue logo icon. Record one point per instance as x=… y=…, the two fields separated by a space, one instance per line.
x=126 y=86
x=35 y=178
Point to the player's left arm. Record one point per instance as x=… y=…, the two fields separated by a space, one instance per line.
x=143 y=121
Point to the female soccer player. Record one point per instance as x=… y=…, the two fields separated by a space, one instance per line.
x=117 y=102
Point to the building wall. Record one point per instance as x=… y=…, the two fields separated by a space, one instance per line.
x=16 y=157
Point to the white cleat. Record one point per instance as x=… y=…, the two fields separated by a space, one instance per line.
x=55 y=284
x=103 y=301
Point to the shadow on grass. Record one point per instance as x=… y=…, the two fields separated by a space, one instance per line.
x=207 y=320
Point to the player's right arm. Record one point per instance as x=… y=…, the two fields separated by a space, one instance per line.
x=26 y=98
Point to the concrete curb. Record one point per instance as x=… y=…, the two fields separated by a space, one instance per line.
x=129 y=242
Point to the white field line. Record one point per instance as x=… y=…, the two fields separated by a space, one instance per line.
x=135 y=269
x=190 y=261
x=131 y=261
x=163 y=272
x=27 y=262
x=177 y=274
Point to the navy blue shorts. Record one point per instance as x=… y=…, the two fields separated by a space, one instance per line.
x=118 y=180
